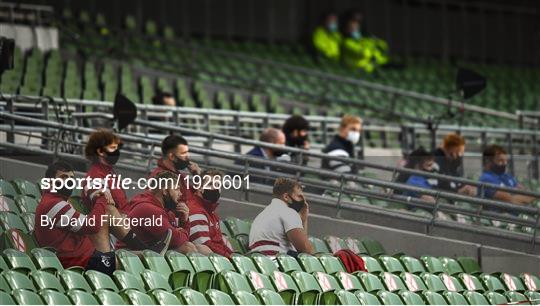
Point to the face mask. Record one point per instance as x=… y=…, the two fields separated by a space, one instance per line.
x=112 y=157
x=65 y=192
x=211 y=196
x=498 y=169
x=168 y=202
x=298 y=140
x=180 y=164
x=332 y=27
x=296 y=205
x=356 y=34
x=353 y=136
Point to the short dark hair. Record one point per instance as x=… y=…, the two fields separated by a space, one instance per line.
x=99 y=139
x=418 y=156
x=157 y=99
x=490 y=152
x=295 y=122
x=59 y=165
x=284 y=185
x=172 y=141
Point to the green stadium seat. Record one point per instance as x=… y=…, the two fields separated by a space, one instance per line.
x=154 y=280
x=391 y=264
x=471 y=282
x=392 y=282
x=258 y=280
x=26 y=297
x=367 y=298
x=308 y=287
x=288 y=263
x=191 y=297
x=411 y=298
x=125 y=280
x=433 y=282
x=348 y=281
x=8 y=300
x=135 y=297
x=220 y=263
x=329 y=289
x=310 y=263
x=237 y=226
x=46 y=280
x=98 y=280
x=372 y=264
x=28 y=188
x=373 y=247
x=47 y=260
x=264 y=264
x=492 y=283
x=107 y=297
x=269 y=297
x=245 y=298
x=155 y=262
x=17 y=280
x=532 y=282
x=432 y=264
x=129 y=262
x=470 y=265
x=412 y=265
x=163 y=297
x=80 y=297
x=73 y=280
x=10 y=220
x=17 y=239
x=370 y=281
x=455 y=298
x=3 y=265
x=319 y=245
x=242 y=264
x=26 y=203
x=413 y=282
x=53 y=297
x=515 y=297
x=181 y=267
x=7 y=189
x=331 y=263
x=217 y=297
x=8 y=204
x=19 y=261
x=434 y=298
x=204 y=272
x=230 y=281
x=496 y=298
x=451 y=266
x=285 y=286
x=335 y=243
x=389 y=298
x=512 y=282
x=355 y=245
x=475 y=298
x=235 y=244
x=451 y=283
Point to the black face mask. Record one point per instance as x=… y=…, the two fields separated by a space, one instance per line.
x=498 y=169
x=211 y=196
x=112 y=157
x=298 y=140
x=180 y=164
x=278 y=152
x=296 y=205
x=168 y=202
x=65 y=192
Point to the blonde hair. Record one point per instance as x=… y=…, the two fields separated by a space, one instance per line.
x=349 y=119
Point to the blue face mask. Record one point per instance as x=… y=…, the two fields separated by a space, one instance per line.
x=356 y=34
x=332 y=27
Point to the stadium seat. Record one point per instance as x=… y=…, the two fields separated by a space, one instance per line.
x=392 y=281
x=3 y=265
x=18 y=240
x=237 y=226
x=26 y=204
x=191 y=297
x=242 y=264
x=496 y=298
x=181 y=267
x=19 y=261
x=204 y=272
x=373 y=247
x=258 y=280
x=434 y=298
x=27 y=188
x=231 y=281
x=470 y=265
x=531 y=281
x=413 y=265
x=10 y=220
x=26 y=297
x=135 y=297
x=47 y=260
x=433 y=282
x=155 y=262
x=367 y=298
x=17 y=280
x=492 y=283
x=329 y=289
x=217 y=297
x=154 y=280
x=107 y=297
x=98 y=280
x=335 y=243
x=264 y=264
x=372 y=265
x=125 y=280
x=7 y=189
x=455 y=298
x=391 y=264
x=370 y=281
x=80 y=297
x=53 y=297
x=285 y=286
x=432 y=264
x=471 y=282
x=269 y=297
x=451 y=266
x=310 y=263
x=46 y=280
x=7 y=204
x=331 y=263
x=475 y=298
x=389 y=298
x=129 y=262
x=308 y=288
x=413 y=282
x=348 y=281
x=355 y=245
x=319 y=245
x=163 y=297
x=515 y=297
x=451 y=283
x=73 y=280
x=512 y=282
x=411 y=298
x=220 y=263
x=245 y=298
x=288 y=263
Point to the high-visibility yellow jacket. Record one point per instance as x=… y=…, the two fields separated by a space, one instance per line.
x=364 y=53
x=327 y=43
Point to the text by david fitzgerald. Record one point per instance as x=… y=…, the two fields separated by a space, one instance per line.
x=92 y=221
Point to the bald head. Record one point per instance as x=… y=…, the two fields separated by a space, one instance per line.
x=273 y=135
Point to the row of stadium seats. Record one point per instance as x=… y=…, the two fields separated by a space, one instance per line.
x=259 y=279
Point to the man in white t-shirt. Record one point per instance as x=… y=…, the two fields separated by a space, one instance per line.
x=282 y=226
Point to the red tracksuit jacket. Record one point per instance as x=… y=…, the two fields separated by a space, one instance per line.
x=100 y=170
x=204 y=225
x=70 y=240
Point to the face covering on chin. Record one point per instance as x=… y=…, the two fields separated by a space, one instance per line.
x=168 y=202
x=212 y=196
x=298 y=140
x=180 y=164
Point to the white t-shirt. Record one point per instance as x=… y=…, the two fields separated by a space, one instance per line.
x=268 y=233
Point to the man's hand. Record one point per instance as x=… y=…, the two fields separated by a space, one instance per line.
x=182 y=211
x=304 y=212
x=468 y=190
x=194 y=168
x=107 y=195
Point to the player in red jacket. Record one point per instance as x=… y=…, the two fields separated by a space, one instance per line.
x=203 y=220
x=175 y=157
x=163 y=206
x=79 y=240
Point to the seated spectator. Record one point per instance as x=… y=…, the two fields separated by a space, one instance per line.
x=342 y=145
x=449 y=161
x=273 y=136
x=79 y=239
x=204 y=226
x=175 y=157
x=282 y=227
x=164 y=204
x=296 y=130
x=326 y=37
x=164 y=98
x=421 y=160
x=359 y=52
x=495 y=161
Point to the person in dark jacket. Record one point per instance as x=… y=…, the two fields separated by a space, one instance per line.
x=342 y=145
x=296 y=130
